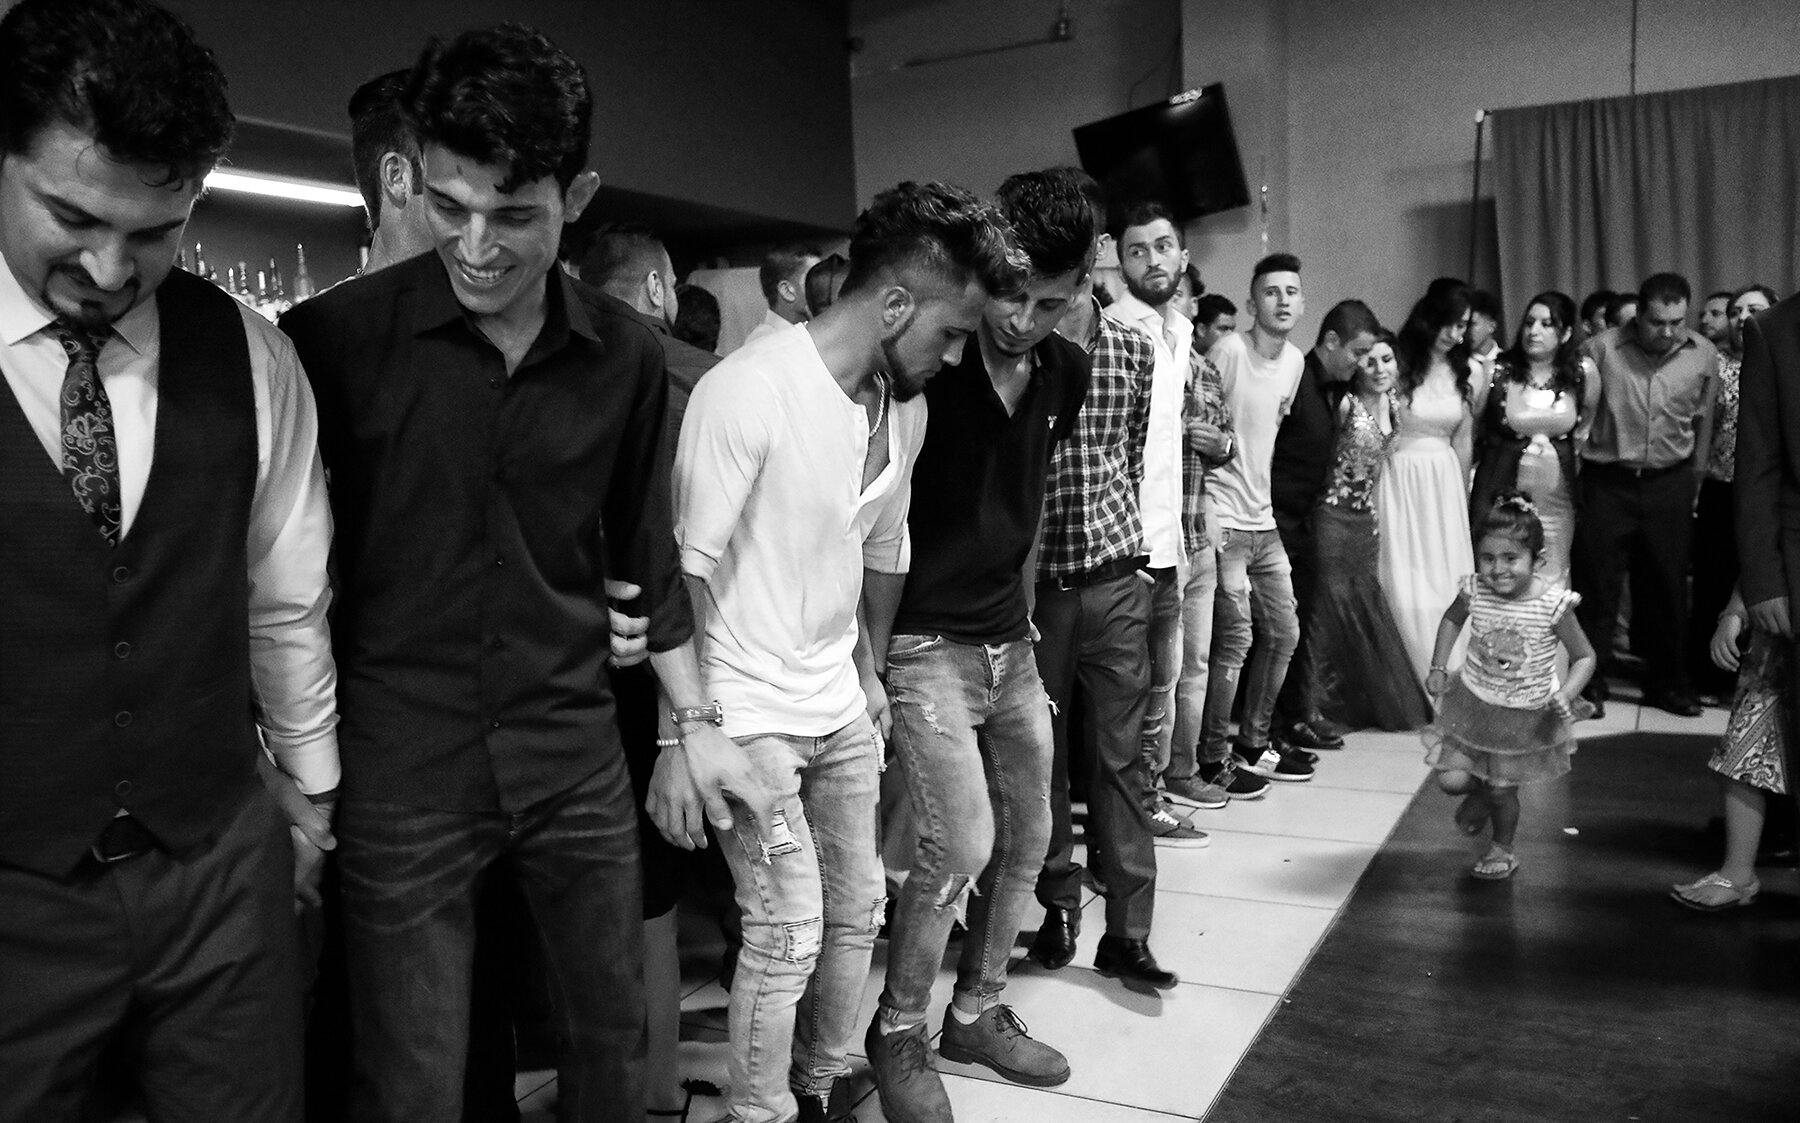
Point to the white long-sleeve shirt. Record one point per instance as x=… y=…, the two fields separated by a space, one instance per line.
x=291 y=665
x=1159 y=496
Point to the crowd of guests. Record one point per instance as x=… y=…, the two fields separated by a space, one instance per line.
x=479 y=596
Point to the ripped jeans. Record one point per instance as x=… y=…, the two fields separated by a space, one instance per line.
x=973 y=741
x=810 y=918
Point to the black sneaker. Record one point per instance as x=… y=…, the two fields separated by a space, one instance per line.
x=1237 y=783
x=1273 y=764
x=1281 y=745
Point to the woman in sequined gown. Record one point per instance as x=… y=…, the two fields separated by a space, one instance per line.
x=1536 y=413
x=1422 y=497
x=1360 y=666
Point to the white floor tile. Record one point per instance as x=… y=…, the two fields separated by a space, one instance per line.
x=1312 y=810
x=1292 y=871
x=1171 y=1052
x=982 y=1101
x=1227 y=941
x=1711 y=721
x=1374 y=770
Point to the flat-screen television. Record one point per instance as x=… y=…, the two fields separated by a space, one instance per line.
x=1179 y=152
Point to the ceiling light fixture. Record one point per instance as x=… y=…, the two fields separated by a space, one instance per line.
x=300 y=190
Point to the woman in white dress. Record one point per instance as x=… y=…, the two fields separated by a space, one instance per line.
x=1423 y=496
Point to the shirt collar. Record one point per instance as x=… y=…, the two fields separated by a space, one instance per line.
x=1167 y=319
x=21 y=316
x=563 y=310
x=1629 y=335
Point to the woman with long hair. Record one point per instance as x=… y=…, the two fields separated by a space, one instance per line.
x=1536 y=414
x=1422 y=498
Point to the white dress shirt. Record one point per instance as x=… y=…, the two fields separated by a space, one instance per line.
x=771 y=512
x=1159 y=496
x=291 y=665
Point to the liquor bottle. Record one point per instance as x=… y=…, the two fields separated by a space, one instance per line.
x=181 y=260
x=243 y=292
x=303 y=282
x=265 y=303
x=277 y=292
x=231 y=279
x=201 y=268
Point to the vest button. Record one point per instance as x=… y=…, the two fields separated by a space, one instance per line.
x=122 y=718
x=122 y=788
x=499 y=559
x=496 y=382
x=121 y=575
x=495 y=724
x=122 y=650
x=497 y=642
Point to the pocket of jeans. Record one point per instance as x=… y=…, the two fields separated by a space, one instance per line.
x=906 y=647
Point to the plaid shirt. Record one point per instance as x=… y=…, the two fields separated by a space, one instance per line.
x=1205 y=400
x=1090 y=501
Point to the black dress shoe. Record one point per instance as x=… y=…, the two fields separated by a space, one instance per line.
x=1313 y=734
x=1595 y=693
x=1677 y=702
x=1055 y=943
x=1131 y=962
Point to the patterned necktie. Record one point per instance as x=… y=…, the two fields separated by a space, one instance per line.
x=90 y=453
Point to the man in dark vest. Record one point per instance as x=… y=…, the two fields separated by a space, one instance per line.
x=163 y=535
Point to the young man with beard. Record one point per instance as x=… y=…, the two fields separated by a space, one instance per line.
x=1152 y=258
x=1093 y=608
x=792 y=483
x=1262 y=371
x=489 y=425
x=971 y=729
x=163 y=540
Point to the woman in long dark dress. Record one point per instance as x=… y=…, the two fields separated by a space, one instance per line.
x=1365 y=678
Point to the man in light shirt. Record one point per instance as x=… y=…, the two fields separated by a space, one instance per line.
x=783 y=278
x=162 y=597
x=792 y=479
x=1261 y=371
x=1153 y=257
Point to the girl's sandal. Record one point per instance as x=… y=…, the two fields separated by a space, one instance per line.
x=1715 y=893
x=1497 y=866
x=1473 y=812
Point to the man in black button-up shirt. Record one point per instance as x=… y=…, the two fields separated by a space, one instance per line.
x=485 y=420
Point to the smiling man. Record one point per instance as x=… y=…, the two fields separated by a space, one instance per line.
x=162 y=595
x=487 y=421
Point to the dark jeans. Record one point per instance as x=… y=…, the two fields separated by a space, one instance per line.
x=1715 y=574
x=191 y=962
x=1641 y=525
x=409 y=878
x=1299 y=697
x=1099 y=634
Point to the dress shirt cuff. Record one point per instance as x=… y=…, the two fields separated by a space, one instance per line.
x=697 y=563
x=312 y=762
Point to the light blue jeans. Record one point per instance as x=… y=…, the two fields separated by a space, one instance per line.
x=1198 y=594
x=1255 y=603
x=973 y=738
x=810 y=918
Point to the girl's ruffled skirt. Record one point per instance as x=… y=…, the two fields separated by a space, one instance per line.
x=1502 y=745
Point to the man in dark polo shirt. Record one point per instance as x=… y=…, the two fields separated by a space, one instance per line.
x=163 y=538
x=1640 y=473
x=1297 y=474
x=486 y=420
x=967 y=701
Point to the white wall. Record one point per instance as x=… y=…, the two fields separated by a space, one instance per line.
x=1360 y=116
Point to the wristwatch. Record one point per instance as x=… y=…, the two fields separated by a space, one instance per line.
x=712 y=714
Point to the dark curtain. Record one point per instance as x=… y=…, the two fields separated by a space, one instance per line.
x=1602 y=193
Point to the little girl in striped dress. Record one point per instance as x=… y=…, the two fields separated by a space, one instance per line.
x=1503 y=719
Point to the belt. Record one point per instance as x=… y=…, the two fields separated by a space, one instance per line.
x=1634 y=472
x=1108 y=571
x=123 y=839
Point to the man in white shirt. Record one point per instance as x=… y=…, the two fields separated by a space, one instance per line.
x=783 y=278
x=1261 y=371
x=162 y=597
x=1153 y=257
x=792 y=478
